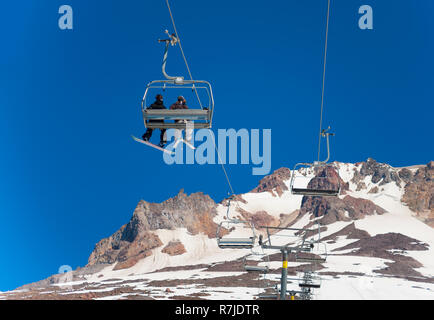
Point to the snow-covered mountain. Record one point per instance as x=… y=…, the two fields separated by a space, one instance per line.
x=378 y=233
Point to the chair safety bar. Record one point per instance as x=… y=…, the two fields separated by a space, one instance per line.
x=185 y=114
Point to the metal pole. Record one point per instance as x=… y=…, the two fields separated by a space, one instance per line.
x=283 y=280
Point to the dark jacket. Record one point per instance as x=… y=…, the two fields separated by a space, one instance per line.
x=157 y=105
x=178 y=105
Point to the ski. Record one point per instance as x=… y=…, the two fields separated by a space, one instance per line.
x=185 y=142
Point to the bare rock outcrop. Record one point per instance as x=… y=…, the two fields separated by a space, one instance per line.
x=350 y=232
x=380 y=173
x=336 y=209
x=327 y=178
x=174 y=248
x=136 y=239
x=274 y=183
x=390 y=246
x=419 y=192
x=259 y=218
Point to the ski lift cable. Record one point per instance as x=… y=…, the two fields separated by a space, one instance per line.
x=197 y=95
x=182 y=51
x=223 y=167
x=323 y=80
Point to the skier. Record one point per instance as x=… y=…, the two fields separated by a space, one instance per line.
x=158 y=104
x=181 y=103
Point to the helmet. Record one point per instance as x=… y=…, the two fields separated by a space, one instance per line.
x=159 y=97
x=181 y=98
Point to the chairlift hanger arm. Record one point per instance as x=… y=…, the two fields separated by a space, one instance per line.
x=325 y=134
x=172 y=41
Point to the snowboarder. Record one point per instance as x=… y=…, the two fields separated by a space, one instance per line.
x=158 y=104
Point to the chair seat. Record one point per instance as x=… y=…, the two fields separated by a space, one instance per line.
x=309 y=285
x=256 y=268
x=235 y=246
x=235 y=243
x=179 y=114
x=314 y=192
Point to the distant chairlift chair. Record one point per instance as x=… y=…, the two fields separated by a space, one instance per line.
x=255 y=268
x=317 y=185
x=235 y=243
x=313 y=250
x=225 y=242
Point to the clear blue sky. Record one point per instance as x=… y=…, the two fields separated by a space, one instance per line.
x=69 y=100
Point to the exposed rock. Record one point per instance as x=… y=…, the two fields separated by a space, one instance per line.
x=131 y=261
x=361 y=186
x=374 y=190
x=405 y=174
x=274 y=182
x=235 y=197
x=350 y=231
x=260 y=218
x=419 y=193
x=128 y=253
x=135 y=240
x=174 y=248
x=358 y=208
x=287 y=220
x=380 y=173
x=327 y=178
x=181 y=211
x=380 y=245
x=335 y=209
x=374 y=246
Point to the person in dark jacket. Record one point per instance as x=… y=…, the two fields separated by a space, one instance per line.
x=181 y=104
x=158 y=104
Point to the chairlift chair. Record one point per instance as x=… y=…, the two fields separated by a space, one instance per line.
x=318 y=254
x=254 y=268
x=225 y=242
x=235 y=243
x=196 y=118
x=309 y=285
x=263 y=269
x=317 y=180
x=311 y=250
x=310 y=280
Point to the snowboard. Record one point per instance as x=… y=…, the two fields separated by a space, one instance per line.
x=153 y=145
